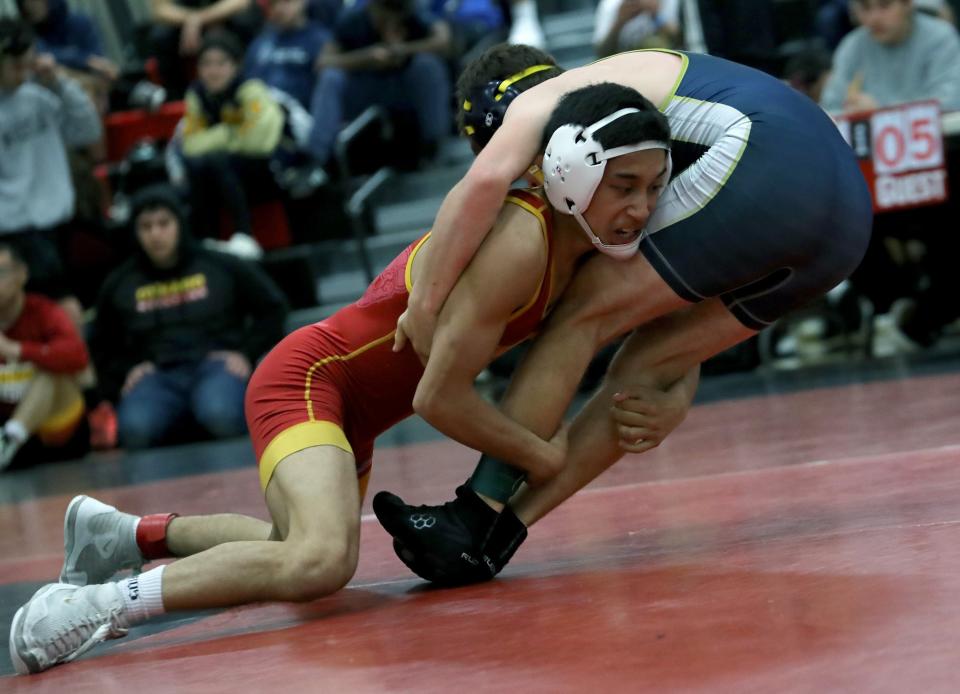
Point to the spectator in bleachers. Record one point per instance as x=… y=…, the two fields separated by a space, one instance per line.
x=896 y=55
x=179 y=28
x=74 y=40
x=384 y=52
x=42 y=113
x=178 y=328
x=232 y=134
x=623 y=25
x=286 y=53
x=41 y=358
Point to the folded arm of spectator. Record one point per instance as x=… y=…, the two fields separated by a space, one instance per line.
x=375 y=57
x=261 y=127
x=170 y=12
x=437 y=42
x=199 y=137
x=61 y=350
x=81 y=43
x=79 y=121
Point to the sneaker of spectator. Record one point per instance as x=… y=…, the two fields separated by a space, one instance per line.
x=889 y=340
x=302 y=181
x=102 y=421
x=525 y=26
x=239 y=244
x=147 y=95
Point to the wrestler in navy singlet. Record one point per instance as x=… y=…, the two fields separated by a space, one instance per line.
x=770 y=209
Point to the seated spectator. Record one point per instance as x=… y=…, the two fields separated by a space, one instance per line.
x=178 y=328
x=42 y=113
x=74 y=41
x=286 y=53
x=41 y=358
x=897 y=55
x=625 y=25
x=179 y=26
x=231 y=137
x=384 y=52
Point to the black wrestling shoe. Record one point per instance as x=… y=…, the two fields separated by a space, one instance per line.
x=454 y=544
x=439 y=543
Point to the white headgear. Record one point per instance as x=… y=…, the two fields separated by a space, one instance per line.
x=573 y=165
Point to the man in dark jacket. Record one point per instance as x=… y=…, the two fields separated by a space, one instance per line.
x=178 y=328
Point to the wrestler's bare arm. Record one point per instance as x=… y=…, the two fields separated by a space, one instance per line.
x=503 y=276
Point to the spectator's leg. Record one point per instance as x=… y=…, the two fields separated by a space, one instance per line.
x=327 y=109
x=214 y=185
x=217 y=400
x=147 y=414
x=425 y=84
x=48 y=398
x=255 y=178
x=164 y=45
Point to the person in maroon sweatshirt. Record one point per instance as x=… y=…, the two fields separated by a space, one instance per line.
x=41 y=358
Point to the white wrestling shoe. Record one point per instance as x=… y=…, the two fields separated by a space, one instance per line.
x=61 y=622
x=98 y=541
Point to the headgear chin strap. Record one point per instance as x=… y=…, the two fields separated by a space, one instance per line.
x=573 y=166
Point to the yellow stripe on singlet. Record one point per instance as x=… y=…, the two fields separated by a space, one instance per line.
x=297 y=438
x=538 y=213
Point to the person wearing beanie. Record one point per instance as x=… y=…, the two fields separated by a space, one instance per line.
x=178 y=328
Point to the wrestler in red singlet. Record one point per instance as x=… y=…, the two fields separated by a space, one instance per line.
x=338 y=382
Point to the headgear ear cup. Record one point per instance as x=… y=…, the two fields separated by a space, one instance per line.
x=485 y=107
x=573 y=166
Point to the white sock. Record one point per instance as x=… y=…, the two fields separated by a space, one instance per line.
x=16 y=431
x=143 y=595
x=524 y=10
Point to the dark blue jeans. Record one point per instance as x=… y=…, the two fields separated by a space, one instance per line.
x=166 y=398
x=423 y=86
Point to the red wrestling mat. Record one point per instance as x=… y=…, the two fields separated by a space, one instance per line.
x=808 y=542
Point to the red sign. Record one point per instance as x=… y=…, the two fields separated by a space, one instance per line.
x=901 y=153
